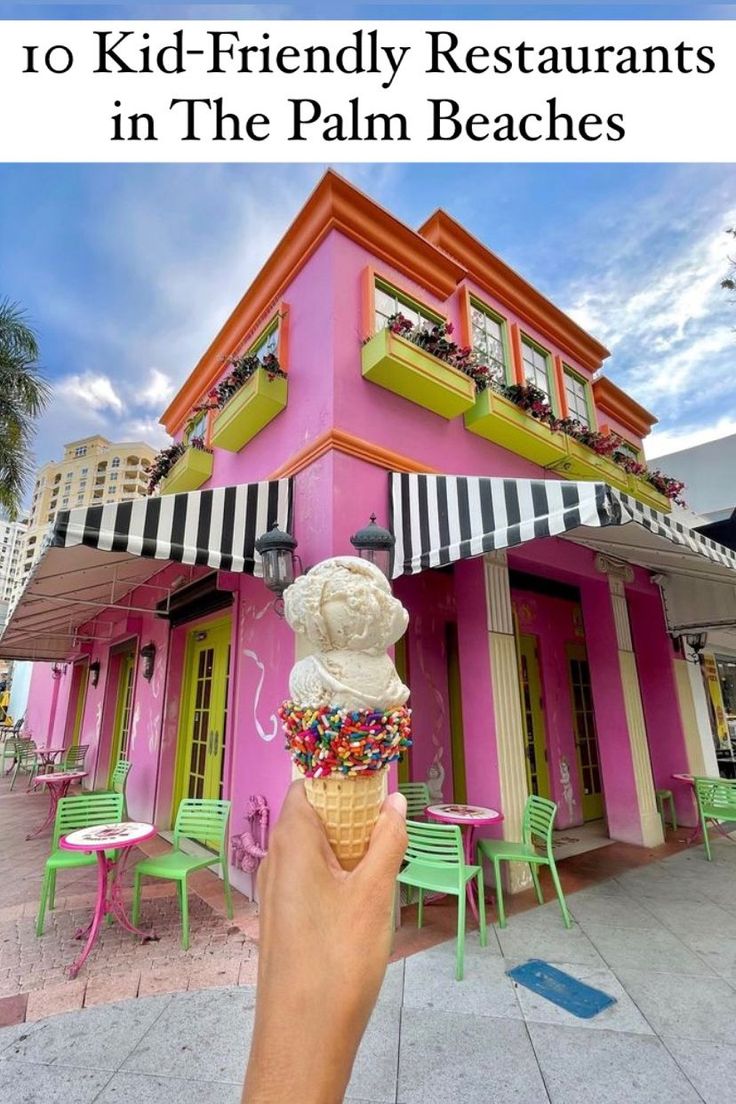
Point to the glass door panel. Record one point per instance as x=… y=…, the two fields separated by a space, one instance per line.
x=586 y=736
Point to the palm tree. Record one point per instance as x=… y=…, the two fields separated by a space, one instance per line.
x=23 y=396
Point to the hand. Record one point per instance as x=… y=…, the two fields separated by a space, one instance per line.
x=325 y=939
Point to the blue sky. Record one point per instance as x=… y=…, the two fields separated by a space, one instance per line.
x=127 y=271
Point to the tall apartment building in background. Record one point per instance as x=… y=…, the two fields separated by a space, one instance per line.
x=11 y=554
x=92 y=471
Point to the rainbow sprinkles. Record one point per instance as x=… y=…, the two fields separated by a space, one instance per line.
x=323 y=740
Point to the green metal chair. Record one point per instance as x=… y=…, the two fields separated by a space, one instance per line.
x=417 y=798
x=665 y=797
x=203 y=820
x=74 y=757
x=539 y=818
x=9 y=752
x=119 y=782
x=27 y=761
x=716 y=798
x=435 y=861
x=81 y=811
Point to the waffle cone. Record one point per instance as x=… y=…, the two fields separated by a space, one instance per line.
x=348 y=807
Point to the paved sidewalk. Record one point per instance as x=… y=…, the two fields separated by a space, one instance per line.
x=657 y=938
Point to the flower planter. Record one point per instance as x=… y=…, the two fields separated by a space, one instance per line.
x=506 y=424
x=189 y=472
x=584 y=463
x=251 y=408
x=409 y=371
x=646 y=493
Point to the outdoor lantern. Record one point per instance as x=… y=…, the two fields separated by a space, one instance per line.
x=94 y=672
x=376 y=544
x=58 y=670
x=276 y=549
x=696 y=641
x=148 y=655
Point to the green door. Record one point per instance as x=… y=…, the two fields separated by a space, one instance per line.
x=203 y=713
x=586 y=736
x=455 y=706
x=532 y=710
x=123 y=704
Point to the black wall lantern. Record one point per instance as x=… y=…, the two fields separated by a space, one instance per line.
x=148 y=657
x=57 y=670
x=277 y=551
x=94 y=672
x=696 y=641
x=376 y=544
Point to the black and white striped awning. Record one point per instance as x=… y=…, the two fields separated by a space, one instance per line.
x=440 y=519
x=95 y=556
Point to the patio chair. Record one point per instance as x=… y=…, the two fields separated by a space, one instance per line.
x=435 y=861
x=716 y=798
x=118 y=783
x=81 y=811
x=9 y=752
x=417 y=798
x=539 y=818
x=202 y=820
x=74 y=757
x=27 y=761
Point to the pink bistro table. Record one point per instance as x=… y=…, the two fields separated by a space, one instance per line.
x=57 y=786
x=468 y=817
x=100 y=839
x=48 y=755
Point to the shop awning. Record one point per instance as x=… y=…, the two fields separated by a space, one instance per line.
x=439 y=519
x=95 y=556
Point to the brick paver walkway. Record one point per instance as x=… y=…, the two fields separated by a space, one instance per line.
x=33 y=981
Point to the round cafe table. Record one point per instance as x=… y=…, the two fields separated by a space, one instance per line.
x=469 y=818
x=57 y=786
x=48 y=755
x=100 y=839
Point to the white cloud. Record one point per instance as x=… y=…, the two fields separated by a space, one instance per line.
x=159 y=390
x=95 y=392
x=662 y=442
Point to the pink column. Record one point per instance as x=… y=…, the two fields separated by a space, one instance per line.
x=481 y=752
x=667 y=747
x=619 y=785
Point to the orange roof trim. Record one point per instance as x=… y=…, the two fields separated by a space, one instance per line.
x=506 y=285
x=610 y=399
x=334 y=204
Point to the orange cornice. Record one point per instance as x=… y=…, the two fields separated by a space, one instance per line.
x=610 y=399
x=334 y=204
x=338 y=440
x=506 y=285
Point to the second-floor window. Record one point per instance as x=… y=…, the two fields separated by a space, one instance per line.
x=576 y=392
x=629 y=449
x=81 y=451
x=388 y=301
x=198 y=427
x=487 y=339
x=536 y=367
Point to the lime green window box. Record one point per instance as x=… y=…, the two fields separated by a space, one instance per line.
x=189 y=472
x=251 y=408
x=402 y=367
x=584 y=463
x=648 y=494
x=506 y=424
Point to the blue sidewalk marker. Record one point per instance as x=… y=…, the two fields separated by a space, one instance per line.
x=560 y=988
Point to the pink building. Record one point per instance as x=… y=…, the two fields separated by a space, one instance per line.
x=531 y=545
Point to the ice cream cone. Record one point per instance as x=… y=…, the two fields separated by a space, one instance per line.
x=348 y=806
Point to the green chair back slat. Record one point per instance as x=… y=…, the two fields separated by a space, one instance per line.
x=74 y=757
x=202 y=819
x=539 y=819
x=434 y=844
x=84 y=811
x=716 y=798
x=417 y=798
x=120 y=775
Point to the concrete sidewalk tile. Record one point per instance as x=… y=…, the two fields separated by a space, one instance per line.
x=25 y=1083
x=463 y=1060
x=690 y=1007
x=136 y=1088
x=64 y=996
x=710 y=1066
x=621 y=1016
x=376 y=1063
x=13 y=1009
x=107 y=988
x=579 y=1066
x=554 y=942
x=216 y=1051
x=658 y=950
x=429 y=982
x=90 y=1038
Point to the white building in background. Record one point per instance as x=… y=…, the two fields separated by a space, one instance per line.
x=12 y=536
x=709 y=474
